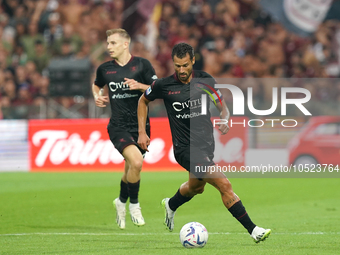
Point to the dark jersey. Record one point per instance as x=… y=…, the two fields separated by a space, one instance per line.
x=183 y=102
x=124 y=101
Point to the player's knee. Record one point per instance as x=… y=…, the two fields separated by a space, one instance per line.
x=136 y=164
x=199 y=190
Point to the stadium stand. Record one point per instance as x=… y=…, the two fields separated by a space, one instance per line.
x=232 y=39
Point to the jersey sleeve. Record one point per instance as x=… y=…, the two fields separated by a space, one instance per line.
x=154 y=91
x=99 y=81
x=148 y=72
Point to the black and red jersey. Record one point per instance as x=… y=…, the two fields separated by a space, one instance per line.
x=124 y=101
x=183 y=102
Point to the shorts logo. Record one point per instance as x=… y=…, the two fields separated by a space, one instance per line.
x=154 y=77
x=148 y=91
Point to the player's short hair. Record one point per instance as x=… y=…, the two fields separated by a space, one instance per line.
x=180 y=50
x=122 y=32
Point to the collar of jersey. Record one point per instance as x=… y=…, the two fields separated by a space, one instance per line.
x=115 y=62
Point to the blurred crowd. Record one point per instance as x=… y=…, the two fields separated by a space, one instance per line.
x=232 y=39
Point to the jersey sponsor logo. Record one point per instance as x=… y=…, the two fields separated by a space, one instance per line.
x=123 y=96
x=111 y=72
x=133 y=68
x=191 y=104
x=154 y=77
x=174 y=92
x=188 y=116
x=148 y=91
x=118 y=85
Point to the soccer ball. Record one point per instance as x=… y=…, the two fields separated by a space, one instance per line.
x=193 y=235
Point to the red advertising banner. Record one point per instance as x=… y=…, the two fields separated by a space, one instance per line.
x=84 y=145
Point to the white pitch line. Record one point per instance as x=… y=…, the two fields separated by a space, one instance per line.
x=152 y=234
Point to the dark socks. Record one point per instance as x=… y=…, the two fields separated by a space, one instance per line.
x=177 y=200
x=239 y=212
x=133 y=192
x=124 y=192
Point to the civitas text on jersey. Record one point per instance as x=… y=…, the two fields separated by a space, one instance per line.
x=191 y=104
x=118 y=85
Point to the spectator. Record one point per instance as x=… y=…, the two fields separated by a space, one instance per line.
x=20 y=28
x=54 y=31
x=204 y=16
x=185 y=15
x=24 y=96
x=41 y=58
x=34 y=80
x=68 y=36
x=21 y=76
x=9 y=89
x=19 y=16
x=5 y=104
x=72 y=11
x=167 y=13
x=29 y=40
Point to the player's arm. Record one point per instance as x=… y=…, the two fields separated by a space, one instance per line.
x=148 y=74
x=99 y=99
x=224 y=114
x=135 y=85
x=142 y=113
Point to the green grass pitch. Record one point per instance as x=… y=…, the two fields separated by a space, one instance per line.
x=72 y=213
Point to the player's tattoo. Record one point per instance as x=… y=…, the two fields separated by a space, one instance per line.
x=232 y=200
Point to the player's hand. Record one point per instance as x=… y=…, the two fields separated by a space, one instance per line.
x=143 y=141
x=224 y=128
x=101 y=101
x=133 y=85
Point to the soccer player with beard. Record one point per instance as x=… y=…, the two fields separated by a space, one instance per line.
x=127 y=77
x=192 y=136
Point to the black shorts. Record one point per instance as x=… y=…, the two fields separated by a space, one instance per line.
x=122 y=138
x=195 y=160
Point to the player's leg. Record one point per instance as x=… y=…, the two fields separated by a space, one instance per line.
x=223 y=185
x=186 y=191
x=192 y=187
x=126 y=144
x=233 y=203
x=184 y=194
x=120 y=203
x=124 y=191
x=134 y=158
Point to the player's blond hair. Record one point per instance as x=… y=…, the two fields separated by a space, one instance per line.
x=122 y=32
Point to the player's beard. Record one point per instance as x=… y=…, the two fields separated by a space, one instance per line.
x=184 y=78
